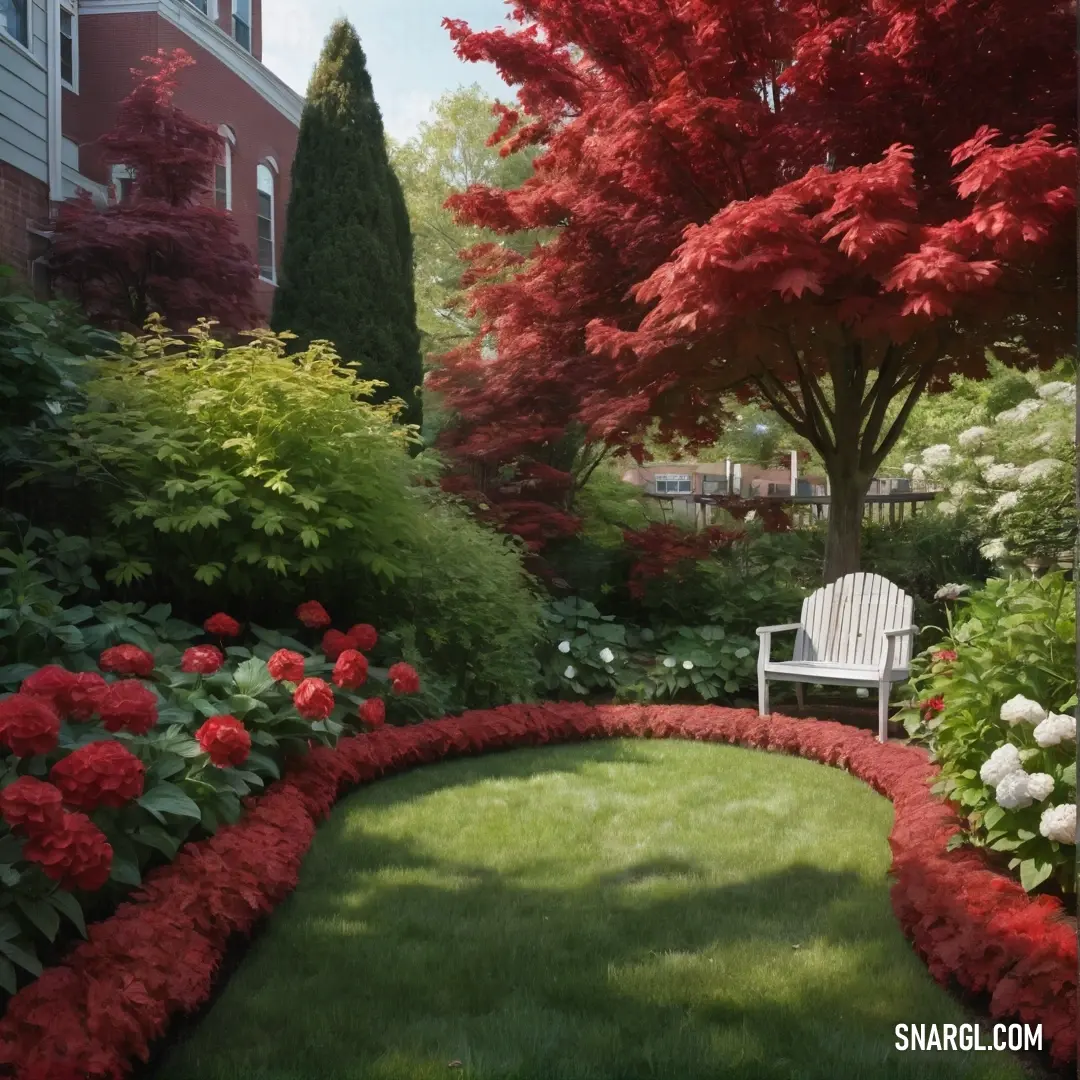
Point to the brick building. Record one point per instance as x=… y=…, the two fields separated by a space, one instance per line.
x=65 y=65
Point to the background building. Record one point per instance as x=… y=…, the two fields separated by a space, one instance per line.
x=65 y=65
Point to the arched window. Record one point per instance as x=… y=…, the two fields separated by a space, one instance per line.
x=267 y=262
x=223 y=171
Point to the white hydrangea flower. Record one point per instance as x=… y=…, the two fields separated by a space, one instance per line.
x=907 y=468
x=1056 y=729
x=1005 y=473
x=1004 y=760
x=1045 y=439
x=1052 y=389
x=947 y=508
x=570 y=671
x=1004 y=502
x=960 y=489
x=1038 y=469
x=1067 y=396
x=993 y=550
x=607 y=655
x=564 y=646
x=951 y=591
x=1040 y=786
x=1012 y=791
x=918 y=475
x=1019 y=413
x=984 y=460
x=1022 y=710
x=1059 y=823
x=669 y=661
x=862 y=692
x=937 y=455
x=972 y=435
x=688 y=664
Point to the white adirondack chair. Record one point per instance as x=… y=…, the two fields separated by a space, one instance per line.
x=855 y=632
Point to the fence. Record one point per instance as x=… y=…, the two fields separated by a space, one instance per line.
x=803 y=510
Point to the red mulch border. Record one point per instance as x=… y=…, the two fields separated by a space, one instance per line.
x=93 y=1015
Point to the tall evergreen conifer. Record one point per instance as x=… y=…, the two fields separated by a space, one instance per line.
x=346 y=271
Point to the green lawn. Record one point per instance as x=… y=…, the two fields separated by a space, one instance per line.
x=607 y=911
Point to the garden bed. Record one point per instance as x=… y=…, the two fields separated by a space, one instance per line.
x=100 y=1010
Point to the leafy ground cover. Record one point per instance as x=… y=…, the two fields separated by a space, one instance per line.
x=611 y=910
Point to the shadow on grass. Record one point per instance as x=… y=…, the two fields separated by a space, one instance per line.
x=391 y=962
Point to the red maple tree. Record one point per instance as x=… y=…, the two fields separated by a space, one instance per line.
x=163 y=249
x=824 y=205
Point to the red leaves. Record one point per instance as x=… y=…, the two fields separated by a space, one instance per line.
x=662 y=548
x=102 y=1007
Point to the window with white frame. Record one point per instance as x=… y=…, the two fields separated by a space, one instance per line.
x=267 y=267
x=69 y=45
x=207 y=7
x=123 y=181
x=15 y=20
x=223 y=170
x=673 y=484
x=242 y=23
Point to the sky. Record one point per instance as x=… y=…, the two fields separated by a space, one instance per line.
x=410 y=55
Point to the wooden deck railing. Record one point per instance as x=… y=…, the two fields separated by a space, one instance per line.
x=807 y=509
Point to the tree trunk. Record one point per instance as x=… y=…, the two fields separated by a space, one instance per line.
x=843 y=543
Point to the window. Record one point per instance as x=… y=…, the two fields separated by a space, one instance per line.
x=122 y=182
x=714 y=485
x=202 y=5
x=673 y=484
x=242 y=23
x=223 y=171
x=267 y=269
x=14 y=18
x=779 y=489
x=69 y=45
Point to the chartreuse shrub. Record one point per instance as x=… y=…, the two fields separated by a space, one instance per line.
x=992 y=702
x=110 y=762
x=240 y=467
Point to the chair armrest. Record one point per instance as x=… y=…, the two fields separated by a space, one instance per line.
x=763 y=630
x=891 y=638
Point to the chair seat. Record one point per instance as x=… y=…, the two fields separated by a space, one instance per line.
x=831 y=674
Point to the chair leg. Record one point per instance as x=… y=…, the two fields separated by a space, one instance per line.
x=883 y=711
x=800 y=694
x=763 y=696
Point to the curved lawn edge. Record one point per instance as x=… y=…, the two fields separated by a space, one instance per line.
x=92 y=1016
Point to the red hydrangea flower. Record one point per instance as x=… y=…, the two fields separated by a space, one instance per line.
x=351 y=670
x=222 y=625
x=76 y=855
x=99 y=774
x=313 y=615
x=32 y=806
x=286 y=666
x=931 y=707
x=202 y=659
x=83 y=697
x=226 y=740
x=334 y=643
x=127 y=660
x=403 y=679
x=130 y=706
x=314 y=700
x=28 y=725
x=373 y=712
x=51 y=682
x=945 y=655
x=364 y=637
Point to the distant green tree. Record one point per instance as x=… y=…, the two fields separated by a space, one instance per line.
x=347 y=266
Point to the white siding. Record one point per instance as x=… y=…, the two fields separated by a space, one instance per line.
x=23 y=99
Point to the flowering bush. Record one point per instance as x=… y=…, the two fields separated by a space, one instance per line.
x=699 y=663
x=1012 y=473
x=100 y=1009
x=585 y=652
x=1000 y=685
x=164 y=751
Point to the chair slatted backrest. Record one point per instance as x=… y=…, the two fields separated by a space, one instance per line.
x=842 y=623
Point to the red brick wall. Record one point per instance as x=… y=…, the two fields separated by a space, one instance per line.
x=111 y=45
x=22 y=199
